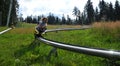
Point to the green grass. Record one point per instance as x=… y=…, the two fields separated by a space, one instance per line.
x=87 y=38
x=24 y=25
x=9 y=44
x=18 y=47
x=2 y=28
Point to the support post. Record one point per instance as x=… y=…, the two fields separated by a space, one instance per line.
x=52 y=51
x=10 y=8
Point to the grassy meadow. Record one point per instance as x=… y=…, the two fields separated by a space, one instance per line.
x=18 y=47
x=107 y=34
x=2 y=28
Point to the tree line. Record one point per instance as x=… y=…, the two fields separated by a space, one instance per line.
x=4 y=10
x=104 y=12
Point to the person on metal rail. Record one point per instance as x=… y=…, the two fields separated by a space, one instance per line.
x=41 y=27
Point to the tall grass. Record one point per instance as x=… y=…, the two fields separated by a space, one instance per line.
x=108 y=26
x=110 y=29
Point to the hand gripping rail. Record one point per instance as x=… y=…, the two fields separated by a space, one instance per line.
x=109 y=54
x=5 y=30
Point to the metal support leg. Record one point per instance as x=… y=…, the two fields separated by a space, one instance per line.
x=110 y=62
x=53 y=51
x=56 y=31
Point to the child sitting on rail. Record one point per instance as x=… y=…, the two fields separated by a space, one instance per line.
x=41 y=27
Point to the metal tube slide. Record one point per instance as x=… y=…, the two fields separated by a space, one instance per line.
x=5 y=30
x=109 y=54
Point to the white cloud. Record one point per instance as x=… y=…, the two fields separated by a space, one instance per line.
x=58 y=7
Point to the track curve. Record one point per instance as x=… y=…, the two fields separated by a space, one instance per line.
x=5 y=30
x=104 y=53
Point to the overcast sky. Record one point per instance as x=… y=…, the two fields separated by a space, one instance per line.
x=58 y=7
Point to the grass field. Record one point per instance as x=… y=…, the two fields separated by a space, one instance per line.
x=18 y=47
x=107 y=34
x=2 y=28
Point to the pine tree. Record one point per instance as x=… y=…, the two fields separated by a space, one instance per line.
x=29 y=19
x=117 y=10
x=51 y=19
x=14 y=11
x=63 y=19
x=83 y=18
x=111 y=12
x=57 y=20
x=69 y=21
x=1 y=9
x=76 y=13
x=90 y=11
x=97 y=15
x=103 y=10
x=34 y=20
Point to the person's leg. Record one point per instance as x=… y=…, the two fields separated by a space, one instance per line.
x=40 y=33
x=36 y=33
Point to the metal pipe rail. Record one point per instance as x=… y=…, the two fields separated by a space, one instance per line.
x=109 y=54
x=5 y=30
x=66 y=29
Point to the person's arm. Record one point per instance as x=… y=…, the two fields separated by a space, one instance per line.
x=40 y=25
x=44 y=26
